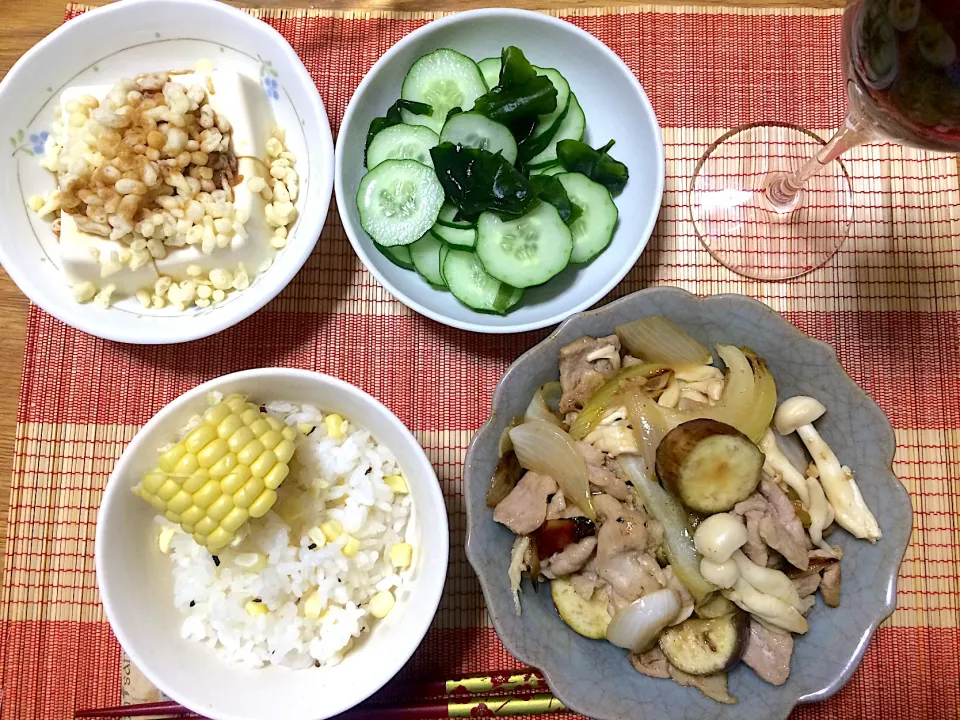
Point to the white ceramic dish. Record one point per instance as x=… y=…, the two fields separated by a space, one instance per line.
x=122 y=40
x=615 y=107
x=136 y=584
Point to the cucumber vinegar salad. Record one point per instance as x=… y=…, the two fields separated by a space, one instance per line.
x=477 y=178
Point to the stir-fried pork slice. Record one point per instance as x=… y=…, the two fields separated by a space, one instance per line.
x=556 y=504
x=756 y=548
x=830 y=585
x=585 y=364
x=652 y=663
x=621 y=543
x=782 y=529
x=569 y=560
x=525 y=508
x=807 y=584
x=601 y=476
x=768 y=653
x=713 y=686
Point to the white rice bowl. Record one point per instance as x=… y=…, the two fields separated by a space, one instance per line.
x=278 y=563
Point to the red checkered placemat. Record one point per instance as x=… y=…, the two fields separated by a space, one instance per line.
x=888 y=303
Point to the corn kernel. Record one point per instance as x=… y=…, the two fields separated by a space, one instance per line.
x=187 y=465
x=382 y=603
x=172 y=516
x=245 y=496
x=351 y=546
x=234 y=519
x=229 y=425
x=250 y=452
x=217 y=414
x=334 y=425
x=196 y=481
x=274 y=424
x=185 y=526
x=277 y=475
x=401 y=555
x=168 y=461
x=316 y=536
x=305 y=428
x=271 y=439
x=199 y=539
x=218 y=539
x=158 y=504
x=205 y=526
x=221 y=506
x=284 y=451
x=250 y=416
x=237 y=403
x=153 y=481
x=260 y=426
x=168 y=490
x=263 y=503
x=215 y=450
x=332 y=529
x=198 y=439
x=179 y=502
x=263 y=464
x=255 y=608
x=239 y=439
x=205 y=496
x=290 y=434
x=291 y=510
x=224 y=466
x=313 y=606
x=397 y=484
x=191 y=516
x=165 y=538
x=231 y=483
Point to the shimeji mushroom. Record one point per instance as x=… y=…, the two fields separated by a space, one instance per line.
x=798 y=415
x=767 y=593
x=777 y=464
x=613 y=435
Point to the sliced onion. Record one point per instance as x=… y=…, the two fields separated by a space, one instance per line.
x=640 y=623
x=515 y=571
x=677 y=534
x=601 y=401
x=505 y=445
x=764 y=401
x=552 y=392
x=657 y=340
x=538 y=410
x=649 y=424
x=548 y=450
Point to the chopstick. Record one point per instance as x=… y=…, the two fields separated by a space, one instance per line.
x=503 y=686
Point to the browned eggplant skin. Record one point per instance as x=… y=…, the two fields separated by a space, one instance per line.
x=713 y=660
x=505 y=478
x=555 y=535
x=676 y=447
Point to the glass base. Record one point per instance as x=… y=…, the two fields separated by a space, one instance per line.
x=740 y=226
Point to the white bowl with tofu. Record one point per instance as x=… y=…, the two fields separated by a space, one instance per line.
x=161 y=188
x=141 y=583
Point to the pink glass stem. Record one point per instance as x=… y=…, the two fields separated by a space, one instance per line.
x=784 y=190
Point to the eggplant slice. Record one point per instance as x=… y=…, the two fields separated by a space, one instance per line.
x=709 y=465
x=585 y=617
x=705 y=647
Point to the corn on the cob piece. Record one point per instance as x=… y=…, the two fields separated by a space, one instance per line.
x=223 y=472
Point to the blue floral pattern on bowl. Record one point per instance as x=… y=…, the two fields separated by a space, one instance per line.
x=38 y=141
x=268 y=76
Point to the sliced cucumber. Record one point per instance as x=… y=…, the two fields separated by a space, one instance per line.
x=570 y=129
x=563 y=93
x=425 y=253
x=398 y=254
x=593 y=230
x=444 y=79
x=402 y=142
x=526 y=251
x=477 y=131
x=548 y=170
x=490 y=68
x=398 y=201
x=454 y=233
x=472 y=286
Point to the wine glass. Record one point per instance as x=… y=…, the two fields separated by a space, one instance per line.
x=763 y=210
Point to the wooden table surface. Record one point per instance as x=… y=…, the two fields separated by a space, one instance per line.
x=25 y=22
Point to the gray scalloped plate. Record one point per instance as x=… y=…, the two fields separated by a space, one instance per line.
x=595 y=678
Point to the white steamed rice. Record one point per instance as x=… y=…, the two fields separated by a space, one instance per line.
x=330 y=479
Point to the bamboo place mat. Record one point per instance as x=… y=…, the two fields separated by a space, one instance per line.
x=888 y=303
